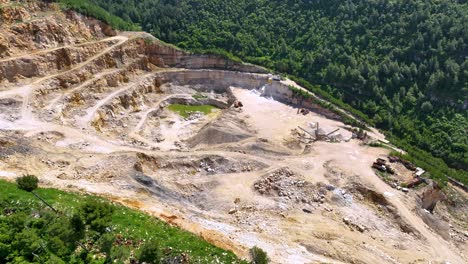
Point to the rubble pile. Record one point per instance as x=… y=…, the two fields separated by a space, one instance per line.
x=288 y=185
x=457 y=235
x=59 y=164
x=242 y=168
x=206 y=166
x=194 y=115
x=224 y=166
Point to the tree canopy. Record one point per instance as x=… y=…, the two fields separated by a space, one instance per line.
x=27 y=182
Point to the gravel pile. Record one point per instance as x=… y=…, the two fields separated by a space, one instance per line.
x=287 y=185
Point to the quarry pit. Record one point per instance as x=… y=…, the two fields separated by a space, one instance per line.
x=90 y=109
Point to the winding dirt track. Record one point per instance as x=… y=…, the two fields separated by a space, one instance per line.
x=43 y=51
x=79 y=87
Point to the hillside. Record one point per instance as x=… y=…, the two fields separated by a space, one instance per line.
x=130 y=230
x=401 y=63
x=235 y=156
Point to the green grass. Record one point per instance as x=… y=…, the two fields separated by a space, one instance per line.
x=376 y=145
x=130 y=223
x=386 y=177
x=186 y=110
x=379 y=144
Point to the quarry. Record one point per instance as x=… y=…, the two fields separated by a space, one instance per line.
x=222 y=149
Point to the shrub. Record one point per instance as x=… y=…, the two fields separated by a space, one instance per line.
x=258 y=256
x=427 y=107
x=149 y=253
x=376 y=144
x=97 y=214
x=78 y=227
x=120 y=254
x=105 y=244
x=27 y=183
x=54 y=260
x=26 y=243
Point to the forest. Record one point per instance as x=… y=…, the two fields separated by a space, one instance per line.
x=399 y=65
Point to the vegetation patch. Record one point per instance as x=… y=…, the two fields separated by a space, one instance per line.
x=186 y=110
x=386 y=177
x=258 y=256
x=199 y=96
x=93 y=10
x=89 y=229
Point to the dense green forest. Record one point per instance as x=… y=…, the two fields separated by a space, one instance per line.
x=81 y=229
x=93 y=10
x=402 y=63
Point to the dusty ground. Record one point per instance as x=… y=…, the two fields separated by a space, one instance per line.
x=239 y=177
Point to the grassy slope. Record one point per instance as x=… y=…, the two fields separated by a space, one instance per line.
x=186 y=110
x=128 y=222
